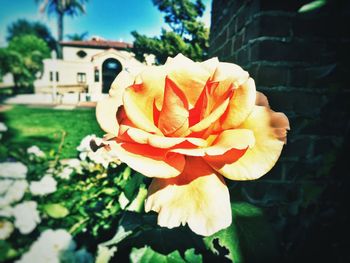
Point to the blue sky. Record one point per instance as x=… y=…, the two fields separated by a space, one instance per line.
x=110 y=19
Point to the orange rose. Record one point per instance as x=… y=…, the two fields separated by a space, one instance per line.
x=187 y=125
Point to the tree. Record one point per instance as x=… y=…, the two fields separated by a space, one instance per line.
x=24 y=27
x=188 y=35
x=61 y=8
x=24 y=59
x=78 y=37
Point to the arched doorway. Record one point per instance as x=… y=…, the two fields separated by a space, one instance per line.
x=110 y=69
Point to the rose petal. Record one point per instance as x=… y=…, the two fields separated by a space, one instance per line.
x=230 y=139
x=150 y=161
x=212 y=110
x=210 y=65
x=106 y=114
x=241 y=104
x=173 y=118
x=136 y=111
x=228 y=74
x=261 y=100
x=198 y=197
x=153 y=80
x=123 y=80
x=189 y=76
x=258 y=160
x=139 y=136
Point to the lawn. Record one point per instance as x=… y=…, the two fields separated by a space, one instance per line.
x=45 y=127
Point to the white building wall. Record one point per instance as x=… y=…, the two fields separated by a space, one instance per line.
x=70 y=53
x=67 y=72
x=72 y=64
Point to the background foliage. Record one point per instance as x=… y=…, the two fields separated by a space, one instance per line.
x=188 y=35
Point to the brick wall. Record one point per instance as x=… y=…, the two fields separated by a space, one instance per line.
x=300 y=61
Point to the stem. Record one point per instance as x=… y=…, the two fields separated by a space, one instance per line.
x=59 y=150
x=77 y=225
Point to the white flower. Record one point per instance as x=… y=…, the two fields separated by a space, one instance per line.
x=15 y=170
x=73 y=163
x=49 y=247
x=5 y=185
x=85 y=143
x=46 y=185
x=65 y=173
x=6 y=211
x=26 y=216
x=6 y=229
x=101 y=156
x=14 y=193
x=35 y=150
x=3 y=127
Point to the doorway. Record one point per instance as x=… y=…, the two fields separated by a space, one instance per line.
x=111 y=67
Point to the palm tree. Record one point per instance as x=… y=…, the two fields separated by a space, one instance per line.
x=61 y=8
x=77 y=36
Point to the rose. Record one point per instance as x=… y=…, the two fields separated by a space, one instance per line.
x=187 y=125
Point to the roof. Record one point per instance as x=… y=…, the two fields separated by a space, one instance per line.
x=102 y=44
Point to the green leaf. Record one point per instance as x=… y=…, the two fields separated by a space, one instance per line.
x=127 y=225
x=248 y=239
x=138 y=203
x=147 y=255
x=132 y=185
x=190 y=256
x=104 y=254
x=123 y=200
x=312 y=6
x=109 y=191
x=6 y=251
x=56 y=210
x=126 y=173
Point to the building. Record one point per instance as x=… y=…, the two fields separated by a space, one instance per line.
x=88 y=68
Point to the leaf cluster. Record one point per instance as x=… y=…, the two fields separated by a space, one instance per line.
x=23 y=27
x=24 y=59
x=188 y=35
x=103 y=209
x=69 y=7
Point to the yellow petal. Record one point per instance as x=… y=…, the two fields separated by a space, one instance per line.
x=120 y=83
x=211 y=118
x=198 y=197
x=261 y=100
x=239 y=139
x=258 y=160
x=140 y=136
x=150 y=161
x=240 y=106
x=228 y=74
x=189 y=76
x=136 y=112
x=173 y=118
x=153 y=80
x=106 y=114
x=210 y=65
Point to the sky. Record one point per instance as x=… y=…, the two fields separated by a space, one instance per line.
x=109 y=19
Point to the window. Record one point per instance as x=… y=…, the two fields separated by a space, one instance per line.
x=81 y=77
x=81 y=54
x=97 y=75
x=56 y=75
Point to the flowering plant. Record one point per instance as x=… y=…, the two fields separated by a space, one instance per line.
x=187 y=125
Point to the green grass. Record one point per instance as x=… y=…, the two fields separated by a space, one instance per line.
x=44 y=127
